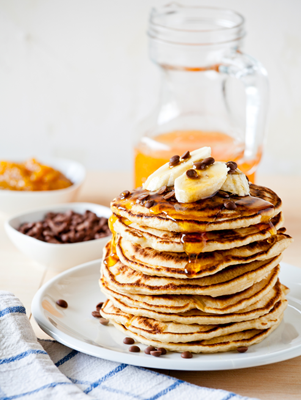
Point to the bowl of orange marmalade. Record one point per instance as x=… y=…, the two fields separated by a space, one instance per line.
x=26 y=185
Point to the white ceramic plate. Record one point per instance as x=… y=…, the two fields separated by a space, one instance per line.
x=76 y=328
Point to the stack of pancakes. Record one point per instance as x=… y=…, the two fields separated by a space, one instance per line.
x=196 y=277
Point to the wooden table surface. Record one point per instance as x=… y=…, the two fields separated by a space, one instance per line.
x=24 y=277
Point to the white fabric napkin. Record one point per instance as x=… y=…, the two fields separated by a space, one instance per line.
x=48 y=370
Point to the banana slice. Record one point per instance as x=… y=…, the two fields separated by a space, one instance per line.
x=210 y=180
x=166 y=175
x=237 y=183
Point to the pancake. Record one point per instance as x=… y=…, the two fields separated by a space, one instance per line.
x=174 y=332
x=228 y=281
x=171 y=264
x=204 y=215
x=196 y=243
x=167 y=332
x=201 y=276
x=196 y=316
x=216 y=345
x=212 y=305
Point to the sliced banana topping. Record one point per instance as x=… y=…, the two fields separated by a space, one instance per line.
x=196 y=184
x=169 y=172
x=236 y=183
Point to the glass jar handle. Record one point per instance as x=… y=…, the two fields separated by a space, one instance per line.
x=254 y=78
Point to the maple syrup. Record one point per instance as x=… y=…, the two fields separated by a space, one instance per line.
x=206 y=210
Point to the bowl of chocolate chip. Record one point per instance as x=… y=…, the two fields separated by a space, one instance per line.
x=62 y=236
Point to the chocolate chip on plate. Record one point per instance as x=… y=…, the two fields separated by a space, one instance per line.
x=156 y=353
x=242 y=349
x=149 y=203
x=134 y=349
x=149 y=349
x=192 y=174
x=128 y=340
x=103 y=321
x=186 y=354
x=230 y=205
x=95 y=314
x=169 y=195
x=163 y=351
x=186 y=155
x=162 y=190
x=99 y=305
x=62 y=303
x=175 y=160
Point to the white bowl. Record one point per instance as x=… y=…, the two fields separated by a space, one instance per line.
x=58 y=257
x=13 y=201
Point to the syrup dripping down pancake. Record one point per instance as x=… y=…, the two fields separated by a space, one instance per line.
x=172 y=264
x=196 y=243
x=228 y=281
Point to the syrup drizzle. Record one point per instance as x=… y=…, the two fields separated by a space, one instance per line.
x=206 y=210
x=112 y=258
x=129 y=322
x=202 y=210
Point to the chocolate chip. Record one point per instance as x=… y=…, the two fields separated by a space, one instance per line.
x=149 y=349
x=68 y=227
x=143 y=196
x=163 y=351
x=104 y=321
x=192 y=174
x=134 y=349
x=248 y=178
x=169 y=195
x=186 y=354
x=162 y=190
x=99 y=306
x=96 y=314
x=186 y=155
x=156 y=353
x=204 y=163
x=242 y=349
x=62 y=303
x=209 y=161
x=128 y=340
x=175 y=160
x=230 y=205
x=223 y=194
x=199 y=165
x=52 y=240
x=125 y=194
x=149 y=203
x=232 y=165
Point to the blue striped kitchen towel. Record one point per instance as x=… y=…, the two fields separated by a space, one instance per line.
x=45 y=369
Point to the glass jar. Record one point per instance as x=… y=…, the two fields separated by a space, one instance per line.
x=212 y=94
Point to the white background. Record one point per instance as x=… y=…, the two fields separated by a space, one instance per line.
x=75 y=77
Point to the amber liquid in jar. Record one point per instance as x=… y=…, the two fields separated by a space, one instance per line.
x=149 y=158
